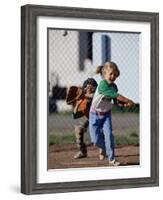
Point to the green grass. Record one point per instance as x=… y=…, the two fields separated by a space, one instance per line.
x=66 y=139
x=62 y=139
x=127 y=139
x=62 y=113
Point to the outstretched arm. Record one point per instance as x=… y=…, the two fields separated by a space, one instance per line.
x=126 y=102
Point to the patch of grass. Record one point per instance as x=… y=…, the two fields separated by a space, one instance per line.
x=133 y=134
x=66 y=139
x=62 y=113
x=61 y=139
x=127 y=139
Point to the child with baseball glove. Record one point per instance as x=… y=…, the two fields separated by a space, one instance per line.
x=100 y=122
x=80 y=98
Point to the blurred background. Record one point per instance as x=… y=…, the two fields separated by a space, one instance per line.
x=73 y=56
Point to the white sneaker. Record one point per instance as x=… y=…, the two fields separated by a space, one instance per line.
x=80 y=155
x=114 y=163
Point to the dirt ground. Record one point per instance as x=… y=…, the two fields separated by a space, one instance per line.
x=61 y=156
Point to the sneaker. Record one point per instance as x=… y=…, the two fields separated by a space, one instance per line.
x=80 y=155
x=114 y=163
x=102 y=154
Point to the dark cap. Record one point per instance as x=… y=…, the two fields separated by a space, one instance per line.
x=90 y=81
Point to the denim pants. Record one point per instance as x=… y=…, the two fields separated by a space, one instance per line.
x=100 y=129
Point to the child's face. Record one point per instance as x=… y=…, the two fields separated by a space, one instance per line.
x=110 y=75
x=90 y=89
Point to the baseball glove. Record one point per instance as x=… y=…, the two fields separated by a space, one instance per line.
x=129 y=104
x=73 y=94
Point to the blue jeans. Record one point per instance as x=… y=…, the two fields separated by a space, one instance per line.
x=100 y=128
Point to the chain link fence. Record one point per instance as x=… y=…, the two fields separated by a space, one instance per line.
x=73 y=57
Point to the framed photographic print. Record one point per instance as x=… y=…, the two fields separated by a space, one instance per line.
x=89 y=99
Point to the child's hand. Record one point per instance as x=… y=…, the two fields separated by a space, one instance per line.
x=120 y=104
x=125 y=102
x=129 y=104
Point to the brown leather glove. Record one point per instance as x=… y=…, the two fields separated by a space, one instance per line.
x=73 y=94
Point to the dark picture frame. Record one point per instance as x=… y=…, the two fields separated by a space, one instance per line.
x=29 y=16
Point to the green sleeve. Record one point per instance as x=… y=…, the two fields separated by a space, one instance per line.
x=107 y=90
